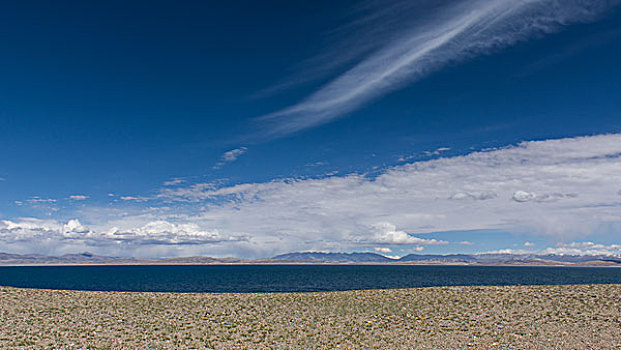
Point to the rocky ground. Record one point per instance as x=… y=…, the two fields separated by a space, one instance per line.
x=517 y=317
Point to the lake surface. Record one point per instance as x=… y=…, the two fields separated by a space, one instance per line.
x=291 y=278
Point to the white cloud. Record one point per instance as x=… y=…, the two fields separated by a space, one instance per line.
x=400 y=206
x=523 y=196
x=74 y=228
x=477 y=195
x=78 y=197
x=418 y=198
x=385 y=250
x=438 y=151
x=28 y=224
x=173 y=182
x=585 y=248
x=72 y=236
x=529 y=244
x=38 y=200
x=134 y=198
x=388 y=233
x=202 y=191
x=165 y=232
x=451 y=34
x=230 y=156
x=31 y=228
x=508 y=251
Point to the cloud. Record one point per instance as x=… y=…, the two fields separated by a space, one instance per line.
x=400 y=205
x=388 y=233
x=585 y=248
x=134 y=198
x=451 y=34
x=230 y=156
x=523 y=196
x=202 y=191
x=38 y=200
x=78 y=197
x=573 y=248
x=28 y=224
x=73 y=227
x=32 y=228
x=419 y=198
x=438 y=151
x=529 y=244
x=73 y=235
x=164 y=232
x=385 y=250
x=508 y=251
x=476 y=196
x=173 y=182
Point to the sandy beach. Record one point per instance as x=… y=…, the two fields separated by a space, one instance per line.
x=516 y=317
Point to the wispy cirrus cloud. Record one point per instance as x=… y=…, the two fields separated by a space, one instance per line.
x=456 y=32
x=39 y=200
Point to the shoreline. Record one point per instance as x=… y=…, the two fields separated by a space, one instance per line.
x=312 y=292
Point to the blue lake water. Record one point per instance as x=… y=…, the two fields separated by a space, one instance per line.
x=291 y=278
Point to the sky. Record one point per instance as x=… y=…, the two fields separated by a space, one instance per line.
x=250 y=129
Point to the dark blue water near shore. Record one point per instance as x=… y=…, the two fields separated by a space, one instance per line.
x=291 y=278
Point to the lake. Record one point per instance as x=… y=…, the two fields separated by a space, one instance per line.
x=292 y=278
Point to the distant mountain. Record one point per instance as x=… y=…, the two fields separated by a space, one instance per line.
x=475 y=259
x=87 y=258
x=321 y=258
x=199 y=260
x=548 y=258
x=67 y=259
x=318 y=257
x=334 y=257
x=443 y=258
x=579 y=258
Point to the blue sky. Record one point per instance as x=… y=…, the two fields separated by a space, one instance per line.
x=250 y=129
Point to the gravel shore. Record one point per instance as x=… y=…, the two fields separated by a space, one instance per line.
x=515 y=317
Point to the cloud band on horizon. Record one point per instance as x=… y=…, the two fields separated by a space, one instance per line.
x=563 y=189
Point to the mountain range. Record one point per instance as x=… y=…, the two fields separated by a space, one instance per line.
x=474 y=259
x=321 y=258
